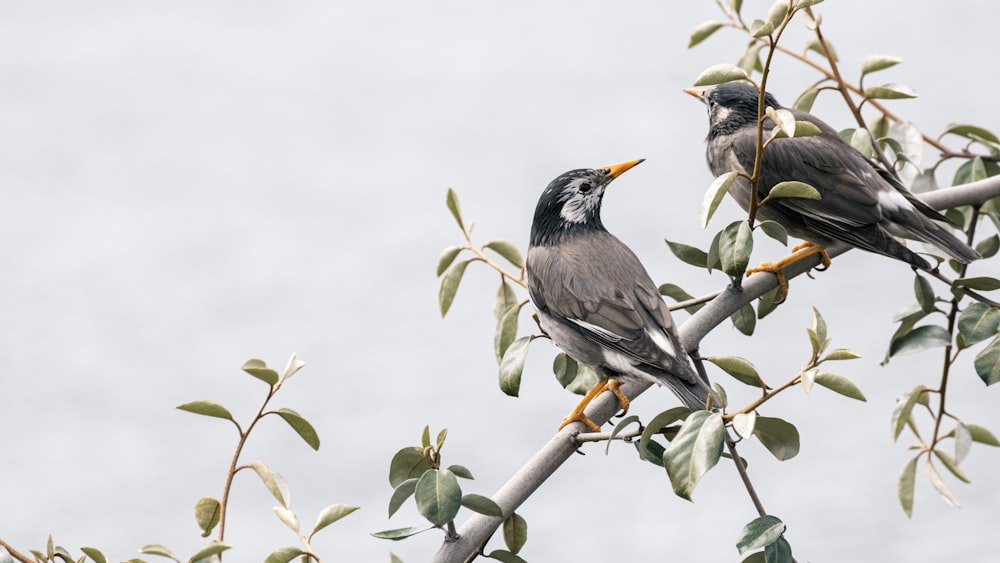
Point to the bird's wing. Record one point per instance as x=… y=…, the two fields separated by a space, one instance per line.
x=599 y=288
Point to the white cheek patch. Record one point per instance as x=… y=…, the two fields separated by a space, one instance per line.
x=719 y=114
x=575 y=210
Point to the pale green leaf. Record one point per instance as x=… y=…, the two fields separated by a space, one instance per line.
x=781 y=438
x=907 y=481
x=331 y=514
x=760 y=532
x=840 y=384
x=695 y=450
x=720 y=73
x=874 y=63
x=449 y=285
x=259 y=369
x=713 y=196
x=703 y=32
x=482 y=505
x=512 y=365
x=301 y=426
x=207 y=408
x=438 y=496
x=515 y=532
x=508 y=250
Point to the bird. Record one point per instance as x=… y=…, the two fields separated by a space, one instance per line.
x=596 y=301
x=860 y=204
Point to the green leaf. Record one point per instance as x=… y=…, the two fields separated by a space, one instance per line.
x=971 y=171
x=207 y=408
x=259 y=369
x=301 y=426
x=875 y=63
x=982 y=283
x=703 y=32
x=207 y=512
x=768 y=302
x=987 y=362
x=688 y=254
x=735 y=246
x=287 y=517
x=95 y=554
x=750 y=61
x=652 y=452
x=972 y=132
x=924 y=292
x=451 y=200
x=505 y=556
x=331 y=514
x=506 y=331
x=515 y=532
x=461 y=471
x=907 y=481
x=274 y=483
x=449 y=285
x=829 y=52
x=438 y=496
x=572 y=375
x=952 y=465
x=505 y=299
x=408 y=463
x=988 y=247
x=745 y=319
x=817 y=333
x=400 y=494
x=157 y=549
x=890 y=92
x=806 y=99
x=209 y=550
x=760 y=532
x=740 y=368
x=403 y=533
x=793 y=189
x=977 y=323
x=447 y=257
x=658 y=423
x=840 y=354
x=862 y=142
x=778 y=552
x=760 y=28
x=720 y=73
x=982 y=435
x=678 y=294
x=512 y=365
x=904 y=408
x=284 y=554
x=778 y=436
x=508 y=250
x=482 y=505
x=840 y=384
x=744 y=423
x=713 y=196
x=776 y=14
x=920 y=338
x=622 y=425
x=696 y=449
x=774 y=230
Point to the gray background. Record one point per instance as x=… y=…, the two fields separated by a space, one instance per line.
x=190 y=185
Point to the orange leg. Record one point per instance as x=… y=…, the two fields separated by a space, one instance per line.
x=798 y=253
x=577 y=415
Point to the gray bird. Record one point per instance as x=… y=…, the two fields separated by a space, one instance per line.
x=596 y=300
x=861 y=204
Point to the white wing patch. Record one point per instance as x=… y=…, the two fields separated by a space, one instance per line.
x=891 y=200
x=605 y=333
x=662 y=342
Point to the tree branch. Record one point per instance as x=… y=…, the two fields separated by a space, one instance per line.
x=478 y=529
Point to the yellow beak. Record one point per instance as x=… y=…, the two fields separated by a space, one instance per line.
x=616 y=170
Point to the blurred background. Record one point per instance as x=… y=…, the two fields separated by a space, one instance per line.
x=189 y=185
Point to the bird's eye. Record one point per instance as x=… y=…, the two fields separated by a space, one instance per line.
x=585 y=187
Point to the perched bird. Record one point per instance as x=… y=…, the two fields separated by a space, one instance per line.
x=861 y=203
x=596 y=300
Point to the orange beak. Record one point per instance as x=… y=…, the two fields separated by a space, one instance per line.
x=616 y=170
x=695 y=92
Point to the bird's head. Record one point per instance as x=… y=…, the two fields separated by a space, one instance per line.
x=572 y=202
x=731 y=106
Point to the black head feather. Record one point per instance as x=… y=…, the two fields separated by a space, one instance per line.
x=733 y=105
x=571 y=204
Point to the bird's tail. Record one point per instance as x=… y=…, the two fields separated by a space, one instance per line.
x=693 y=395
x=944 y=239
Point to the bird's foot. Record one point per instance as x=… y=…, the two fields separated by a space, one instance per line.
x=577 y=414
x=799 y=252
